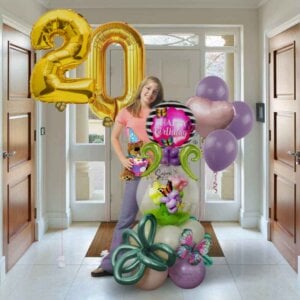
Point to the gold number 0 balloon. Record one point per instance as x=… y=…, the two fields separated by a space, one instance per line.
x=131 y=41
x=48 y=81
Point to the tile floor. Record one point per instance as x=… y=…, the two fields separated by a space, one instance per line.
x=251 y=270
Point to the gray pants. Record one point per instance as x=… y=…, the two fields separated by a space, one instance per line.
x=127 y=216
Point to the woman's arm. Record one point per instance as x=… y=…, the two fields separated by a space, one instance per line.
x=115 y=141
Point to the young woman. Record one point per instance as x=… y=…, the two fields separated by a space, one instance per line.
x=149 y=93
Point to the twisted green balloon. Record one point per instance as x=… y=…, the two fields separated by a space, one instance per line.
x=130 y=261
x=157 y=153
x=184 y=155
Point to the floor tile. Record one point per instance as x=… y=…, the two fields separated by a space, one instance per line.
x=252 y=269
x=251 y=252
x=263 y=282
x=218 y=284
x=45 y=282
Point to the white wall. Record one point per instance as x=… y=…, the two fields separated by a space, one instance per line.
x=23 y=11
x=13 y=12
x=274 y=17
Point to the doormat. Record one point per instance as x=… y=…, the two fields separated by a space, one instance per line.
x=102 y=240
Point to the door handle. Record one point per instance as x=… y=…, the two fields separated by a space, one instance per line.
x=296 y=155
x=8 y=154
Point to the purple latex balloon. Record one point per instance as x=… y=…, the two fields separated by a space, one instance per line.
x=213 y=88
x=242 y=121
x=220 y=149
x=185 y=275
x=170 y=156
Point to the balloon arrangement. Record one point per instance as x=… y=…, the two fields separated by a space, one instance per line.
x=220 y=122
x=167 y=240
x=48 y=82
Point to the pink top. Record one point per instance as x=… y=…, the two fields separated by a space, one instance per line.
x=138 y=125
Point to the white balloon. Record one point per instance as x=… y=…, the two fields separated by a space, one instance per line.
x=168 y=234
x=190 y=199
x=142 y=195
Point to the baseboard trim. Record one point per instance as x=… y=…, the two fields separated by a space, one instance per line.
x=249 y=219
x=264 y=227
x=41 y=227
x=2 y=269
x=59 y=220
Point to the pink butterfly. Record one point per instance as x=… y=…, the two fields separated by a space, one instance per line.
x=195 y=253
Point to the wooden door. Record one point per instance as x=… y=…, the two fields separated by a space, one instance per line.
x=285 y=142
x=18 y=146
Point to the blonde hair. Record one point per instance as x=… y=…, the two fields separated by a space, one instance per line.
x=135 y=107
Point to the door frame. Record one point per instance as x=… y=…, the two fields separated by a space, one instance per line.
x=24 y=28
x=25 y=241
x=265 y=224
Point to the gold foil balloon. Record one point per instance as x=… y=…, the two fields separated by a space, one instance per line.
x=48 y=81
x=132 y=44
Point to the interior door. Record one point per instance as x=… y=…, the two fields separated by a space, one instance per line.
x=18 y=145
x=285 y=143
x=179 y=71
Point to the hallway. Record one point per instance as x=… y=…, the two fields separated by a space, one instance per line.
x=252 y=270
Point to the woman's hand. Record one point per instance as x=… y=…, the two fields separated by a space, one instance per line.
x=127 y=163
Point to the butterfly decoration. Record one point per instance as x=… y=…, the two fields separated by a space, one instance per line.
x=167 y=142
x=194 y=253
x=171 y=198
x=165 y=190
x=161 y=112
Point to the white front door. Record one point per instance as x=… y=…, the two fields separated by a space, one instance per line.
x=179 y=71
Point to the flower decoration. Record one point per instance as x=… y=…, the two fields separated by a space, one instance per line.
x=194 y=253
x=179 y=182
x=154 y=193
x=130 y=261
x=170 y=204
x=171 y=198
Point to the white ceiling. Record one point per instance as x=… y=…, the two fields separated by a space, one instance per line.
x=152 y=3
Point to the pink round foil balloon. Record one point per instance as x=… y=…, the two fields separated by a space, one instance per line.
x=170 y=124
x=210 y=115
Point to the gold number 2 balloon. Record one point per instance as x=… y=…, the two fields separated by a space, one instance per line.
x=133 y=47
x=48 y=81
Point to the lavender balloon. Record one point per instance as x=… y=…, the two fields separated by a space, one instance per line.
x=185 y=275
x=220 y=149
x=212 y=88
x=242 y=121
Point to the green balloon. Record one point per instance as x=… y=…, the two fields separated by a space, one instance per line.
x=157 y=154
x=130 y=261
x=184 y=154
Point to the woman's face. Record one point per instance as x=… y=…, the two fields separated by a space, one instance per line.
x=149 y=93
